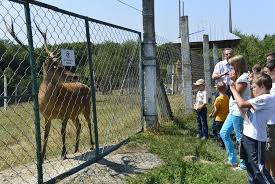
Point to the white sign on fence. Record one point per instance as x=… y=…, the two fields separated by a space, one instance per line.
x=67 y=57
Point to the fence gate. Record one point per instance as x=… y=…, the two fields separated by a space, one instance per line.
x=64 y=78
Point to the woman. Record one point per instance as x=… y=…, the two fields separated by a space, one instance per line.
x=234 y=120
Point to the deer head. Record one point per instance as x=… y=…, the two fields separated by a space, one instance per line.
x=53 y=71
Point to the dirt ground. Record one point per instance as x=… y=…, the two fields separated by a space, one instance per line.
x=114 y=168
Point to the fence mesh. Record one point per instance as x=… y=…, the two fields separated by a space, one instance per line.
x=116 y=66
x=169 y=61
x=65 y=91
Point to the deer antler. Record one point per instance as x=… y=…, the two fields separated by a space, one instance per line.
x=10 y=29
x=44 y=35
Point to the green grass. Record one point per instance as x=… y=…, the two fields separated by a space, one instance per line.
x=118 y=118
x=172 y=144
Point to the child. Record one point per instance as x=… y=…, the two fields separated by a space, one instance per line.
x=270 y=148
x=220 y=109
x=256 y=70
x=201 y=109
x=254 y=131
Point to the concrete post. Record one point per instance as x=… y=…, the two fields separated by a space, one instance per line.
x=149 y=63
x=186 y=65
x=215 y=53
x=206 y=58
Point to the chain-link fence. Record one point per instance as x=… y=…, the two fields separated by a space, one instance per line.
x=86 y=99
x=170 y=74
x=169 y=78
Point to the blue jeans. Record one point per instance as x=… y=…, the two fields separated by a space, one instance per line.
x=202 y=127
x=214 y=129
x=254 y=156
x=232 y=123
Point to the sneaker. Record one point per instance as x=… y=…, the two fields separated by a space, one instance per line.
x=242 y=166
x=203 y=138
x=238 y=168
x=198 y=136
x=230 y=164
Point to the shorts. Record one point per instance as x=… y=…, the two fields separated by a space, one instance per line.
x=270 y=143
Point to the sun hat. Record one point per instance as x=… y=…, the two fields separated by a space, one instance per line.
x=199 y=82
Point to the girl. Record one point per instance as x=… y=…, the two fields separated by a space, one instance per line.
x=234 y=120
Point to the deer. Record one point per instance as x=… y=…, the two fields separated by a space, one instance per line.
x=60 y=96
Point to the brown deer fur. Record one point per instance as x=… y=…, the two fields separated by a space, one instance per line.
x=63 y=100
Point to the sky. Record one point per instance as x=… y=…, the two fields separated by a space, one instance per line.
x=249 y=16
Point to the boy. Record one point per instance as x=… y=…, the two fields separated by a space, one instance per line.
x=270 y=148
x=254 y=130
x=220 y=110
x=201 y=109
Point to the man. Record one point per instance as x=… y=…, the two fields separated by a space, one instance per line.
x=222 y=68
x=270 y=56
x=270 y=148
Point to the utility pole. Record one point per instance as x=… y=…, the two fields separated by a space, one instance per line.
x=230 y=18
x=180 y=16
x=149 y=65
x=179 y=19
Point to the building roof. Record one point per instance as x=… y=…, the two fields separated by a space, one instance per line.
x=222 y=38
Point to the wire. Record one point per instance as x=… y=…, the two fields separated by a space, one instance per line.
x=129 y=5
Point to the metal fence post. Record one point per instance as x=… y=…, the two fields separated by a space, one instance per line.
x=34 y=93
x=89 y=50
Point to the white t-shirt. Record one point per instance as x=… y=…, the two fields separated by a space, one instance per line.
x=201 y=98
x=272 y=92
x=246 y=95
x=255 y=120
x=221 y=68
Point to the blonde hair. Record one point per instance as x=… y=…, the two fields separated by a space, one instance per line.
x=239 y=64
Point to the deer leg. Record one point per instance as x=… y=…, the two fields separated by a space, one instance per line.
x=63 y=134
x=78 y=128
x=87 y=117
x=46 y=135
